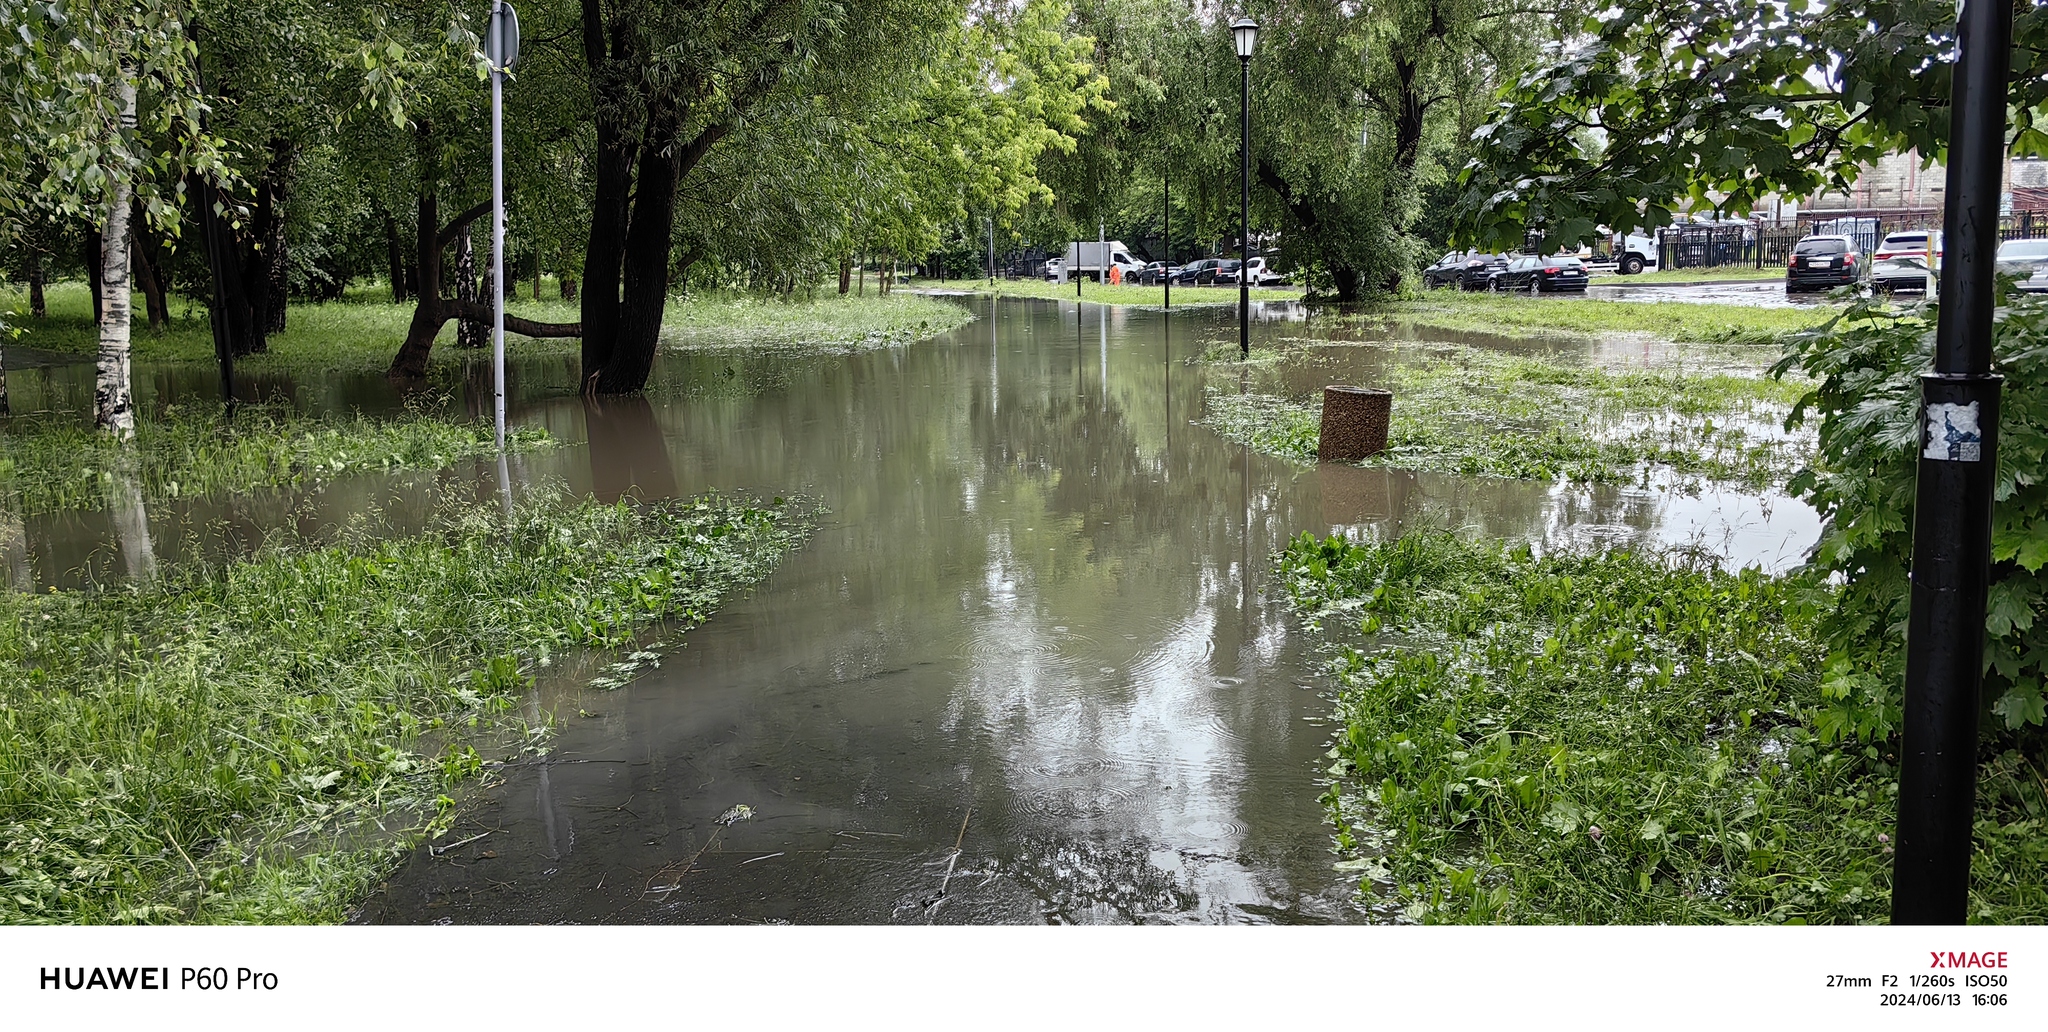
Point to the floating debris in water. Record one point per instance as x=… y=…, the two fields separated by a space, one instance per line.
x=733 y=816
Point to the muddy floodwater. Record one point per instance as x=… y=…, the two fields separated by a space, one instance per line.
x=1034 y=665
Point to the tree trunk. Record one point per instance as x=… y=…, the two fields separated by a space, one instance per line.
x=113 y=404
x=845 y=275
x=467 y=335
x=94 y=256
x=645 y=268
x=1344 y=276
x=151 y=271
x=433 y=310
x=536 y=275
x=397 y=259
x=38 y=306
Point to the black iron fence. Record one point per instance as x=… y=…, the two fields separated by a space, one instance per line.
x=1762 y=243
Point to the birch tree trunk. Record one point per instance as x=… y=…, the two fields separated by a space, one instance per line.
x=113 y=402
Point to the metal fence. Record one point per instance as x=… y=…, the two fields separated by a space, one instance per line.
x=1762 y=242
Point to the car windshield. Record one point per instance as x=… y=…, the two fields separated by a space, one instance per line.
x=2023 y=249
x=1821 y=245
x=1227 y=265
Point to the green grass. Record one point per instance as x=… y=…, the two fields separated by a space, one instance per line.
x=256 y=742
x=1580 y=317
x=49 y=463
x=1113 y=294
x=1614 y=738
x=364 y=329
x=1478 y=412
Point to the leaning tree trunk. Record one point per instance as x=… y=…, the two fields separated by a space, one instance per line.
x=433 y=310
x=645 y=268
x=113 y=403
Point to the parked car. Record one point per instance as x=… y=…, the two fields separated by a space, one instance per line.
x=1155 y=273
x=1212 y=275
x=1906 y=242
x=2022 y=257
x=1260 y=274
x=1053 y=266
x=1480 y=267
x=1192 y=273
x=1541 y=275
x=1446 y=272
x=1823 y=262
x=1900 y=272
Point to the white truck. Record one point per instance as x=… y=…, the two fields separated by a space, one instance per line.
x=1094 y=259
x=1633 y=253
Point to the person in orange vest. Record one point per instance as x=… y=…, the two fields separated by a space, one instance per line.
x=1116 y=275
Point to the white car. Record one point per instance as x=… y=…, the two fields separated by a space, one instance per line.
x=1053 y=266
x=1259 y=273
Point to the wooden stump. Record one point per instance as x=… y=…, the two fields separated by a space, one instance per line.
x=1354 y=422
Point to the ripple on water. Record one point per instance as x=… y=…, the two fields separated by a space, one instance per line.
x=1078 y=802
x=1079 y=768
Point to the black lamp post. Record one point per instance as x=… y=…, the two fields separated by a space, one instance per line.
x=1953 y=506
x=1244 y=33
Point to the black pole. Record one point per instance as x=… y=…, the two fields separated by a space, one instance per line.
x=1244 y=207
x=991 y=249
x=1076 y=273
x=1952 y=508
x=1166 y=270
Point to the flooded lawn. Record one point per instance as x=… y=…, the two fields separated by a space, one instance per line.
x=1034 y=666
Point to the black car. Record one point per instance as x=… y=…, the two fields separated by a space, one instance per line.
x=1216 y=268
x=1447 y=271
x=1824 y=262
x=1479 y=268
x=1541 y=275
x=1155 y=273
x=1192 y=272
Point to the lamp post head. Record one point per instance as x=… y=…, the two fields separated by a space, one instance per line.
x=1245 y=33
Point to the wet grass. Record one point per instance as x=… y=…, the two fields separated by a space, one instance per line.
x=1581 y=317
x=1477 y=412
x=364 y=329
x=54 y=462
x=258 y=741
x=1614 y=738
x=1113 y=294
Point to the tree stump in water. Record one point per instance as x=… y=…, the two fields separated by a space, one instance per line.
x=1354 y=423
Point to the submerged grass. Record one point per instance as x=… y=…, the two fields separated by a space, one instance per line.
x=1477 y=412
x=255 y=742
x=364 y=329
x=1618 y=737
x=49 y=463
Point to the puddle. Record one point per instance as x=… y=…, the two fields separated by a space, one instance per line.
x=1033 y=667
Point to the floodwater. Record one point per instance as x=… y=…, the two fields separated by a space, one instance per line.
x=1033 y=667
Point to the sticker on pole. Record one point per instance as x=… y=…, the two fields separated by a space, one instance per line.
x=1952 y=433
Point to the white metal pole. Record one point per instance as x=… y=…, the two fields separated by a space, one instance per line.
x=498 y=226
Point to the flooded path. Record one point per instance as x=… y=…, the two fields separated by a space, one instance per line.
x=1034 y=665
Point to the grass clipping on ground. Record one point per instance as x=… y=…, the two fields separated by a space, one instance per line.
x=255 y=742
x=49 y=463
x=1476 y=412
x=1617 y=737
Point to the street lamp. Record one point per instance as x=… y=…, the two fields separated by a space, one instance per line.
x=1244 y=32
x=501 y=48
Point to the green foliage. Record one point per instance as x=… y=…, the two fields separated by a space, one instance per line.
x=1617 y=737
x=53 y=463
x=1714 y=105
x=1863 y=481
x=63 y=145
x=215 y=747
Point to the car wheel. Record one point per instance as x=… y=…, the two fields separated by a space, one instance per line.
x=1631 y=264
x=1493 y=284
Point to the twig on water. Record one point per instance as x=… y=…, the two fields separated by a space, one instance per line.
x=931 y=908
x=442 y=850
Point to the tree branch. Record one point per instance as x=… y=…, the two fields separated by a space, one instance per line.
x=480 y=313
x=455 y=225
